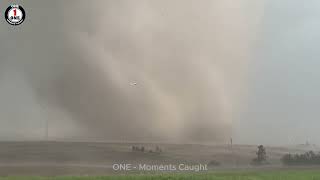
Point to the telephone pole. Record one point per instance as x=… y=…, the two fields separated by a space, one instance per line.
x=47 y=129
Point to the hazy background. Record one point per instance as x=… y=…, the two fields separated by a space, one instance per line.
x=205 y=71
x=284 y=91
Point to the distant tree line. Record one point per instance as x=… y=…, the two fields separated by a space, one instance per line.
x=143 y=149
x=137 y=148
x=308 y=158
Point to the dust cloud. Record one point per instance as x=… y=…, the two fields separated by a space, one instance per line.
x=71 y=64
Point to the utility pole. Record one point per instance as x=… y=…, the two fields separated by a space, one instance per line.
x=46 y=121
x=235 y=161
x=47 y=129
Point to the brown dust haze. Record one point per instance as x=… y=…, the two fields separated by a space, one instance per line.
x=166 y=70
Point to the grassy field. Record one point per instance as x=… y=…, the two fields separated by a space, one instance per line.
x=266 y=175
x=60 y=160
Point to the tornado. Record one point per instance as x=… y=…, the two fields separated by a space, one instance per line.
x=169 y=71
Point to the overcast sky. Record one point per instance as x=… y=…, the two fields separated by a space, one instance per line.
x=284 y=77
x=205 y=71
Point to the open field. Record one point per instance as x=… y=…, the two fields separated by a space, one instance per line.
x=239 y=175
x=94 y=158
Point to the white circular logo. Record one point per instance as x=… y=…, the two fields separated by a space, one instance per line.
x=15 y=14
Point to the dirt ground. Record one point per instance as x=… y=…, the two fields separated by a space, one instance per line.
x=97 y=158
